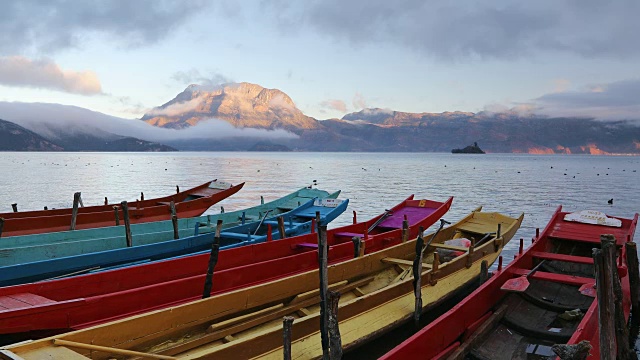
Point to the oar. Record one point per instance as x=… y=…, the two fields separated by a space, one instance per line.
x=521 y=283
x=384 y=216
x=261 y=221
x=442 y=222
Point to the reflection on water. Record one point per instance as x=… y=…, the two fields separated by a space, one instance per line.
x=507 y=183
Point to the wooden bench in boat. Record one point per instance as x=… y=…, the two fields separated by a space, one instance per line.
x=389 y=260
x=306 y=245
x=450 y=247
x=587 y=232
x=554 y=277
x=562 y=257
x=350 y=235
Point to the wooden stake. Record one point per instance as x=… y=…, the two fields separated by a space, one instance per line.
x=269 y=234
x=313 y=225
x=609 y=253
x=287 y=324
x=177 y=189
x=261 y=200
x=405 y=229
x=115 y=211
x=521 y=248
x=356 y=246
x=604 y=288
x=355 y=217
x=322 y=263
x=335 y=342
x=634 y=280
x=46 y=208
x=1 y=225
x=174 y=220
x=15 y=207
x=213 y=260
x=141 y=196
x=362 y=248
x=127 y=224
x=484 y=272
x=500 y=263
x=281 y=230
x=106 y=201
x=74 y=212
x=417 y=280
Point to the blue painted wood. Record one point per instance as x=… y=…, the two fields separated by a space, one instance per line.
x=239 y=235
x=29 y=248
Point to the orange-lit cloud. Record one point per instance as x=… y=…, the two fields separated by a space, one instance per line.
x=45 y=74
x=334 y=104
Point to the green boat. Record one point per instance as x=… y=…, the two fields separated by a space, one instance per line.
x=29 y=248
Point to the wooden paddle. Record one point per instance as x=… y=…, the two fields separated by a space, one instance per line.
x=384 y=216
x=521 y=283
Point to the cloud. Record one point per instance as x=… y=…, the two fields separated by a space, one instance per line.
x=49 y=26
x=179 y=108
x=613 y=101
x=45 y=74
x=334 y=104
x=462 y=30
x=42 y=117
x=283 y=102
x=193 y=76
x=359 y=102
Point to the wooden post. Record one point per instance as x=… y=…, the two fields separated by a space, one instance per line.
x=355 y=217
x=335 y=342
x=498 y=233
x=74 y=212
x=417 y=280
x=46 y=208
x=405 y=229
x=141 y=196
x=484 y=272
x=281 y=230
x=15 y=207
x=362 y=248
x=604 y=289
x=115 y=211
x=127 y=224
x=177 y=189
x=243 y=218
x=213 y=260
x=322 y=263
x=106 y=201
x=500 y=263
x=261 y=200
x=1 y=225
x=434 y=268
x=537 y=233
x=356 y=246
x=221 y=209
x=287 y=324
x=470 y=255
x=174 y=220
x=80 y=201
x=634 y=280
x=521 y=248
x=609 y=254
x=313 y=225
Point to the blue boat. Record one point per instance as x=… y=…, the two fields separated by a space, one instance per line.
x=38 y=247
x=297 y=221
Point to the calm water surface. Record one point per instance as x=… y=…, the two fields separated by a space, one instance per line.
x=507 y=183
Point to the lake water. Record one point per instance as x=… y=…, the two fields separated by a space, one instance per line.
x=507 y=183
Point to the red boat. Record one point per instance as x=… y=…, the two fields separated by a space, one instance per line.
x=505 y=319
x=189 y=203
x=77 y=302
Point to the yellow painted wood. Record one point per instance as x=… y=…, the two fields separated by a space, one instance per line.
x=404 y=262
x=449 y=247
x=110 y=350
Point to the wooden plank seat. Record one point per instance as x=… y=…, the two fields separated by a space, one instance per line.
x=350 y=235
x=389 y=260
x=554 y=277
x=450 y=247
x=286 y=223
x=562 y=257
x=307 y=245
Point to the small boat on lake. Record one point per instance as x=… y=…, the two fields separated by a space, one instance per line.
x=189 y=203
x=38 y=247
x=297 y=221
x=510 y=318
x=80 y=301
x=376 y=296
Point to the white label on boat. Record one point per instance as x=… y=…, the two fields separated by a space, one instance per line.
x=219 y=185
x=593 y=217
x=331 y=203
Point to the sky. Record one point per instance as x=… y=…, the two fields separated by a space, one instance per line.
x=332 y=57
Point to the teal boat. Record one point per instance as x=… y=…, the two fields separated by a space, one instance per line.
x=296 y=222
x=38 y=247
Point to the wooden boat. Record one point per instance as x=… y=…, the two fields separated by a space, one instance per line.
x=246 y=323
x=297 y=221
x=189 y=203
x=77 y=302
x=37 y=247
x=495 y=324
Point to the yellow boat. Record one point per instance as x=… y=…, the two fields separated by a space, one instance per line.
x=376 y=296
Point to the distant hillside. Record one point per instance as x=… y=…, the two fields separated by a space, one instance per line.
x=243 y=105
x=16 y=138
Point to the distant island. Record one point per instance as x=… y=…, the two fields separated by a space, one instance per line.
x=266 y=146
x=471 y=149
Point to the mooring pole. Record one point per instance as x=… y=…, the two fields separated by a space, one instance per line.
x=213 y=260
x=127 y=224
x=324 y=285
x=405 y=229
x=281 y=230
x=335 y=342
x=287 y=324
x=609 y=253
x=74 y=212
x=604 y=288
x=417 y=280
x=174 y=220
x=634 y=280
x=14 y=206
x=115 y=211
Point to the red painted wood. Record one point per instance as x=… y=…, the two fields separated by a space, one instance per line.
x=91 y=299
x=473 y=327
x=448 y=329
x=562 y=257
x=41 y=221
x=553 y=277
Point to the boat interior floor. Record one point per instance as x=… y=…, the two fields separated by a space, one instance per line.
x=547 y=313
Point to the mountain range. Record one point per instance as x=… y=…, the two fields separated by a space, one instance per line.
x=243 y=116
